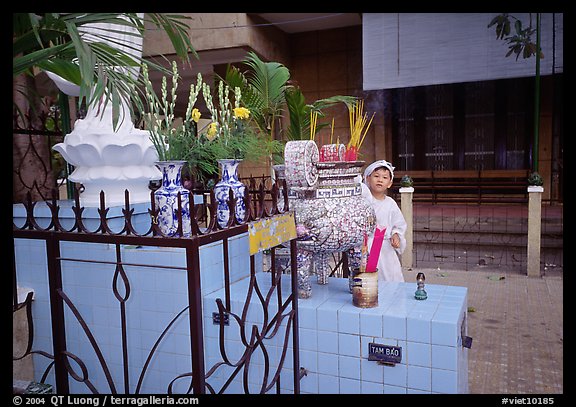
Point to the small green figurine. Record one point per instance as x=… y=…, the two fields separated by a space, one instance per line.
x=406 y=181
x=535 y=179
x=420 y=293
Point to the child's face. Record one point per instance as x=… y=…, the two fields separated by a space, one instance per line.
x=379 y=181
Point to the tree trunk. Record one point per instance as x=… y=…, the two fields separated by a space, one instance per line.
x=31 y=154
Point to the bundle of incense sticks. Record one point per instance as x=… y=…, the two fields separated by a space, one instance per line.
x=359 y=126
x=372 y=263
x=313 y=122
x=364 y=254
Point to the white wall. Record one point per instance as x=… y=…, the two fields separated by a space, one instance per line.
x=414 y=49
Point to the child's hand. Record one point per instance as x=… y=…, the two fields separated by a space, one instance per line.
x=395 y=241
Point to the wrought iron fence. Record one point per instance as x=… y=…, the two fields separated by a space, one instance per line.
x=279 y=310
x=491 y=237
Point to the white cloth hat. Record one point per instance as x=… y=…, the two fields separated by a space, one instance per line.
x=378 y=164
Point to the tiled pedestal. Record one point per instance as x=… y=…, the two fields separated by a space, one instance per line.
x=334 y=338
x=333 y=333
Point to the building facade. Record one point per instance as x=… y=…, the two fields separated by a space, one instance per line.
x=442 y=100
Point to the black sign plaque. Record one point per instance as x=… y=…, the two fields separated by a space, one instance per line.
x=384 y=353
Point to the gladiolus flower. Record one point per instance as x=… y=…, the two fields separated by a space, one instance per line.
x=196 y=115
x=241 y=113
x=212 y=131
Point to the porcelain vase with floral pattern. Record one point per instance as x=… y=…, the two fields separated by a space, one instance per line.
x=229 y=179
x=166 y=199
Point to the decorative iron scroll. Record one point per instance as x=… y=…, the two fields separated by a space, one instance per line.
x=261 y=204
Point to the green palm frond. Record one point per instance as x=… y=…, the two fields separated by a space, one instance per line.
x=299 y=125
x=262 y=87
x=59 y=43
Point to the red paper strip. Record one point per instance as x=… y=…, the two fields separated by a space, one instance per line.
x=374 y=254
x=351 y=154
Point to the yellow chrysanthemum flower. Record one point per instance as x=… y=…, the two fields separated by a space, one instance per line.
x=212 y=131
x=241 y=113
x=196 y=115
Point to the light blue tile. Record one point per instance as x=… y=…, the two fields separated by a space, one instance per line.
x=308 y=360
x=307 y=317
x=416 y=391
x=210 y=254
x=444 y=333
x=327 y=316
x=419 y=378
x=388 y=389
x=287 y=380
x=309 y=383
x=436 y=289
x=349 y=345
x=371 y=371
x=239 y=245
x=371 y=322
x=418 y=354
x=164 y=302
x=328 y=364
x=395 y=375
x=101 y=316
x=444 y=357
x=394 y=327
x=328 y=342
x=349 y=319
x=456 y=290
x=364 y=341
x=239 y=268
x=349 y=367
x=428 y=306
x=349 y=386
x=371 y=388
x=447 y=314
x=166 y=362
x=444 y=381
x=328 y=384
x=308 y=339
x=211 y=277
x=418 y=327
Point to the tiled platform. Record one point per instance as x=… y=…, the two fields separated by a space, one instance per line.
x=334 y=337
x=158 y=297
x=333 y=333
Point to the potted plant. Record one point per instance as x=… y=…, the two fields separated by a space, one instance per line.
x=269 y=95
x=229 y=137
x=535 y=179
x=232 y=136
x=174 y=145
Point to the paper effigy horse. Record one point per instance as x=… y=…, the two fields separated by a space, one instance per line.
x=331 y=215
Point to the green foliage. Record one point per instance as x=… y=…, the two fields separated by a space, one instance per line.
x=267 y=93
x=535 y=179
x=406 y=181
x=232 y=132
x=299 y=111
x=263 y=90
x=519 y=43
x=55 y=42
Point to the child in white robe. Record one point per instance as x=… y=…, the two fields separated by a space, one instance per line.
x=378 y=178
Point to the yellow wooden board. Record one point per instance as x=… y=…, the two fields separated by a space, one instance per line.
x=270 y=232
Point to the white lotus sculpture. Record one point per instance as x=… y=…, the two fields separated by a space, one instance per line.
x=106 y=159
x=109 y=160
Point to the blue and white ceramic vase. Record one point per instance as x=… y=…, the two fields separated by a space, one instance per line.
x=166 y=199
x=229 y=174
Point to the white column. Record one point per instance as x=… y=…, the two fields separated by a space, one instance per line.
x=534 y=229
x=406 y=206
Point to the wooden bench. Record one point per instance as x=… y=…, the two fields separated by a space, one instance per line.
x=467 y=186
